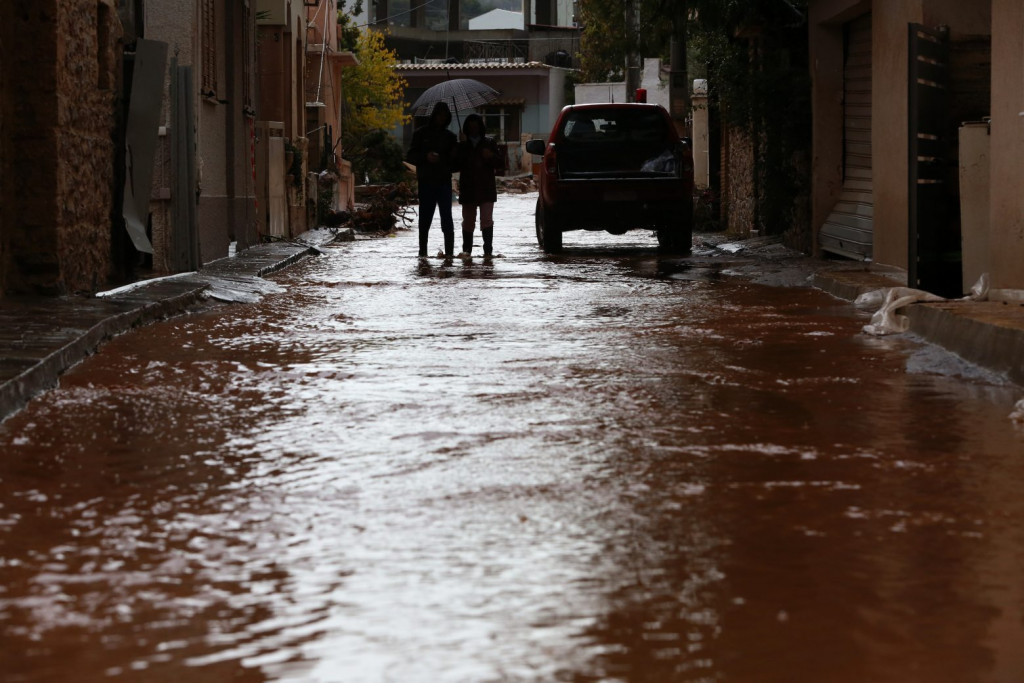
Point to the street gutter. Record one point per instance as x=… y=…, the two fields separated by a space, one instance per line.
x=42 y=338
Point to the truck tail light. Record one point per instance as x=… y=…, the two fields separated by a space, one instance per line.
x=551 y=161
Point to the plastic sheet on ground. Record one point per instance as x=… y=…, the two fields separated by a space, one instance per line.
x=246 y=289
x=886 y=320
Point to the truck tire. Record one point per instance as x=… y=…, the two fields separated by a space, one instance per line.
x=679 y=237
x=549 y=233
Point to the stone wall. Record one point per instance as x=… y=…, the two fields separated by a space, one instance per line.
x=88 y=79
x=744 y=195
x=739 y=199
x=61 y=67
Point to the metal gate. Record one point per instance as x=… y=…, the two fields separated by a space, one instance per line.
x=934 y=252
x=849 y=228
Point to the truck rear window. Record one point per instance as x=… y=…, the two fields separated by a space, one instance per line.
x=614 y=125
x=616 y=143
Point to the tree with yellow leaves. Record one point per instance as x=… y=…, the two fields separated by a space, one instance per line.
x=373 y=101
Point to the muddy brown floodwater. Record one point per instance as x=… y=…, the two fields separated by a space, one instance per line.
x=602 y=466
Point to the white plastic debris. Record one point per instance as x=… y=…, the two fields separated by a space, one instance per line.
x=886 y=320
x=245 y=289
x=891 y=299
x=979 y=292
x=873 y=299
x=142 y=283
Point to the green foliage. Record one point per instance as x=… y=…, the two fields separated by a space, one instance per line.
x=373 y=102
x=607 y=39
x=295 y=170
x=754 y=55
x=325 y=197
x=372 y=92
x=348 y=31
x=378 y=158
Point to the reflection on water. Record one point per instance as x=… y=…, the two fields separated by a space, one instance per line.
x=596 y=466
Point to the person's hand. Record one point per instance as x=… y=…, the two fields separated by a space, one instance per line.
x=432 y=157
x=486 y=153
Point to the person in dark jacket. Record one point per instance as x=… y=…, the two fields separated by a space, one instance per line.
x=432 y=152
x=476 y=160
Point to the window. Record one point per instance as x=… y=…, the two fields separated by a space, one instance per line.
x=503 y=123
x=208 y=19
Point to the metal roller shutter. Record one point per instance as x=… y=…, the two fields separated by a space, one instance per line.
x=849 y=228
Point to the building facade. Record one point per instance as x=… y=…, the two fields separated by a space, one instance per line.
x=282 y=165
x=532 y=95
x=325 y=62
x=207 y=131
x=546 y=32
x=135 y=135
x=60 y=79
x=893 y=85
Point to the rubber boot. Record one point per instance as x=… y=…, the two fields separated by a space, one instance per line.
x=467 y=241
x=449 y=243
x=423 y=241
x=488 y=235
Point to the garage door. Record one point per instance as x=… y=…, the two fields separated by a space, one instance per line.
x=848 y=229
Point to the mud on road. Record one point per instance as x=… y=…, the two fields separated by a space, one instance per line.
x=605 y=465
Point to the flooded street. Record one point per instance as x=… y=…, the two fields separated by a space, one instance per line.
x=600 y=466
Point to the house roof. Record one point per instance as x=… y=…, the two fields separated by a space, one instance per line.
x=498 y=19
x=472 y=66
x=507 y=102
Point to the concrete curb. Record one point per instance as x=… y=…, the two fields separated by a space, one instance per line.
x=989 y=334
x=114 y=315
x=969 y=330
x=17 y=392
x=849 y=284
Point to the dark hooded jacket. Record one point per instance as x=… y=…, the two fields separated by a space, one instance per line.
x=434 y=138
x=476 y=174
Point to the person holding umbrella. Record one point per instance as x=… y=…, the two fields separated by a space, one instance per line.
x=432 y=152
x=476 y=160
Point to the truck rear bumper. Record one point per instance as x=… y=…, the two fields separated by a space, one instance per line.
x=589 y=205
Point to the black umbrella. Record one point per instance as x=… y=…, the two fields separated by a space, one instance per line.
x=460 y=94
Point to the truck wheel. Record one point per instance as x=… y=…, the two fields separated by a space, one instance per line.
x=678 y=238
x=549 y=234
x=673 y=241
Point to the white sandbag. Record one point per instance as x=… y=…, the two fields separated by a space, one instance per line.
x=886 y=320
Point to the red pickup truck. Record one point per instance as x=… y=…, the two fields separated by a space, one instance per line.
x=615 y=167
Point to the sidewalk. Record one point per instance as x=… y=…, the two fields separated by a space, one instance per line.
x=41 y=338
x=989 y=334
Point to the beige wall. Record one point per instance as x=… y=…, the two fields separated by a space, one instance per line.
x=889 y=143
x=890 y=106
x=890 y=110
x=1007 y=172
x=963 y=18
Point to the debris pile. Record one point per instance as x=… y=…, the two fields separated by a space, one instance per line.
x=517 y=185
x=383 y=209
